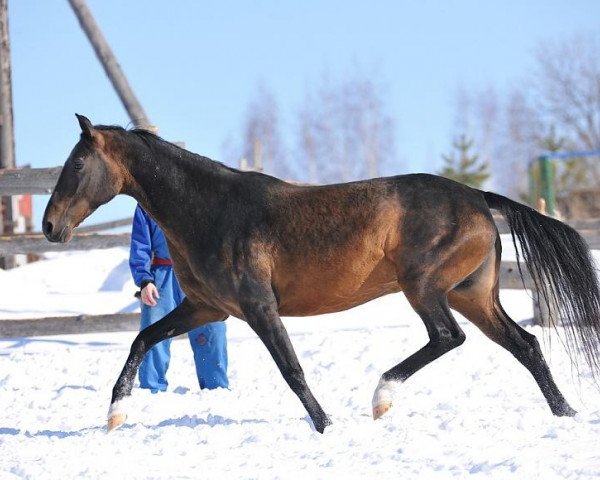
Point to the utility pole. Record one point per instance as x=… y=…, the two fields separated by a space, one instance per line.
x=111 y=66
x=7 y=137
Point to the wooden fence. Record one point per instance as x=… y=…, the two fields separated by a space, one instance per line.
x=14 y=182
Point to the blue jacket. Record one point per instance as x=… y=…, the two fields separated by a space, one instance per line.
x=147 y=240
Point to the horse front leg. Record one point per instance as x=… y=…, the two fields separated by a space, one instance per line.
x=259 y=306
x=179 y=321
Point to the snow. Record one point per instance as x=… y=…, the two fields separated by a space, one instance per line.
x=474 y=413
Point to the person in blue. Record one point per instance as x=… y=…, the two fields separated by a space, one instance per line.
x=152 y=271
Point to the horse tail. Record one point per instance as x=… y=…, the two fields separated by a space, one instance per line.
x=563 y=272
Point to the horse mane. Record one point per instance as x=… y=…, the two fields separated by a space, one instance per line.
x=150 y=138
x=155 y=142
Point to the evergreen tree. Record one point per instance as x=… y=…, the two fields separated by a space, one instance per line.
x=463 y=166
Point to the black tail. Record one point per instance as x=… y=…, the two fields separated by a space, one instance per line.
x=560 y=261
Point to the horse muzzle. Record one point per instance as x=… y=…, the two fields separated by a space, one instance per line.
x=55 y=235
x=56 y=232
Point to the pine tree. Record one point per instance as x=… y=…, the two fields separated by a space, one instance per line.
x=464 y=166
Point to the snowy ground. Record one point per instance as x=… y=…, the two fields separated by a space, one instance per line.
x=475 y=413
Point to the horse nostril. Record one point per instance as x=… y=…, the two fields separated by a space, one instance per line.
x=47 y=228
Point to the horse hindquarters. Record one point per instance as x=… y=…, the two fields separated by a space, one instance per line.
x=451 y=250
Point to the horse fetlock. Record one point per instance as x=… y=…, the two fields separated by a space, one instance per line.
x=321 y=422
x=563 y=410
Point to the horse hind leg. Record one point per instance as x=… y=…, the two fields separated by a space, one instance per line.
x=444 y=335
x=479 y=302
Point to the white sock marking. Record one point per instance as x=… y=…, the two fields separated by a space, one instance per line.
x=385 y=391
x=118 y=408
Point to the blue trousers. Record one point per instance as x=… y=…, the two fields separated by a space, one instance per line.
x=208 y=342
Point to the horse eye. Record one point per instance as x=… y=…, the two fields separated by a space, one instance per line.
x=78 y=164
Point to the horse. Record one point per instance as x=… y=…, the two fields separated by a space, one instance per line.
x=249 y=245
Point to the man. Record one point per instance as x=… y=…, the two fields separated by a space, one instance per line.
x=152 y=271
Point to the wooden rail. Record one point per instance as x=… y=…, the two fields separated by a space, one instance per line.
x=34 y=327
x=509 y=278
x=42 y=181
x=99 y=227
x=37 y=181
x=36 y=243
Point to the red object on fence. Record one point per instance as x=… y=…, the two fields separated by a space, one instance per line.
x=25 y=207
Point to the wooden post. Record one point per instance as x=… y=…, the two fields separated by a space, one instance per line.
x=532 y=184
x=548 y=192
x=542 y=315
x=111 y=66
x=545 y=310
x=7 y=138
x=541 y=206
x=258 y=156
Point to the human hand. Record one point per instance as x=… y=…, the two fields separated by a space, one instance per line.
x=149 y=293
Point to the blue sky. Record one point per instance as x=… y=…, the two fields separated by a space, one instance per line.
x=195 y=65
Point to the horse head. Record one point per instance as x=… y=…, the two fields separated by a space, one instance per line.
x=88 y=179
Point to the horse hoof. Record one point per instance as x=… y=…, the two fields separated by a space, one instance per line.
x=115 y=421
x=322 y=424
x=564 y=411
x=380 y=409
x=116 y=415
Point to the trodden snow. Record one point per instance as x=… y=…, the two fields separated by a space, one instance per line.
x=474 y=413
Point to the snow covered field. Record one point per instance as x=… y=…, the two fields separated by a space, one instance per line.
x=475 y=413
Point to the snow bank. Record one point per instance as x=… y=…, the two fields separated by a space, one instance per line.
x=475 y=413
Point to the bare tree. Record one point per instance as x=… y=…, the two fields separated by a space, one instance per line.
x=346 y=133
x=308 y=139
x=262 y=144
x=567 y=89
x=518 y=144
x=343 y=133
x=488 y=115
x=557 y=106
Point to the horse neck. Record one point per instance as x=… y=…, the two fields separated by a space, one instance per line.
x=164 y=178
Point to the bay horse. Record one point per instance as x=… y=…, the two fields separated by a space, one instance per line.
x=255 y=247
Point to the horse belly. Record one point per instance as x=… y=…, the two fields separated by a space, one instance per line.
x=323 y=289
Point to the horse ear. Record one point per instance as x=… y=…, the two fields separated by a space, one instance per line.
x=86 y=126
x=88 y=129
